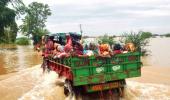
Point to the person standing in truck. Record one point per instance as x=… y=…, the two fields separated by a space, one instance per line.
x=48 y=50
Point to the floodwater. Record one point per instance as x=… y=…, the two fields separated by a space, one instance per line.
x=14 y=58
x=22 y=78
x=159 y=50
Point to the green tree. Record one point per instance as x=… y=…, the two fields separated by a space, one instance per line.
x=23 y=41
x=34 y=21
x=137 y=39
x=106 y=39
x=11 y=33
x=146 y=35
x=167 y=35
x=7 y=18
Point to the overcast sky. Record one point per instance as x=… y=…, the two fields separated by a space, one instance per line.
x=108 y=16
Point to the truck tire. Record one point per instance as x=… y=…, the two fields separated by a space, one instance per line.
x=68 y=88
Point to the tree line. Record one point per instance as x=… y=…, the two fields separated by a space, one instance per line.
x=35 y=17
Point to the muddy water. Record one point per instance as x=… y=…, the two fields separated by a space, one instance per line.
x=23 y=79
x=14 y=58
x=32 y=84
x=159 y=50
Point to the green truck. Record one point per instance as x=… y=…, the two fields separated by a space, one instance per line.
x=95 y=73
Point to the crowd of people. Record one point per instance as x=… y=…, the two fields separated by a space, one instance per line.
x=76 y=48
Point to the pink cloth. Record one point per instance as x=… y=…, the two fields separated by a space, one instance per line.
x=78 y=49
x=117 y=51
x=68 y=47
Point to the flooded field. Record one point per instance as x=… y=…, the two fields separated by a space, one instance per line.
x=22 y=78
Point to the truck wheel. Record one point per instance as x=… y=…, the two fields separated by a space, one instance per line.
x=78 y=92
x=68 y=89
x=121 y=91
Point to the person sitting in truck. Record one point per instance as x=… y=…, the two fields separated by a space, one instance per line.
x=104 y=50
x=94 y=48
x=49 y=47
x=58 y=52
x=63 y=51
x=47 y=51
x=55 y=51
x=117 y=49
x=90 y=49
x=68 y=47
x=129 y=47
x=77 y=48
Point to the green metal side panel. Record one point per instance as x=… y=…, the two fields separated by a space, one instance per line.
x=100 y=70
x=104 y=77
x=135 y=73
x=95 y=70
x=93 y=79
x=82 y=72
x=114 y=68
x=132 y=66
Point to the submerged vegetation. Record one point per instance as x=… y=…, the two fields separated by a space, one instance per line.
x=23 y=41
x=140 y=40
x=167 y=35
x=146 y=35
x=106 y=39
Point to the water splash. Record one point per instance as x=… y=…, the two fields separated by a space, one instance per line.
x=47 y=88
x=32 y=84
x=18 y=83
x=146 y=91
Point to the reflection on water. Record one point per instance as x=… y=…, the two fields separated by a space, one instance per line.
x=14 y=58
